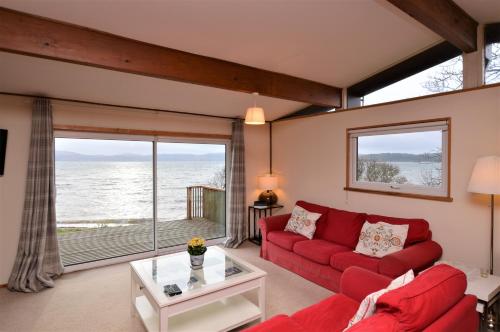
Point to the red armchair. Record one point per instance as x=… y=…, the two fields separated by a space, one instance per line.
x=433 y=302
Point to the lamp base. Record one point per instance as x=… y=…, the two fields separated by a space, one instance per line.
x=269 y=197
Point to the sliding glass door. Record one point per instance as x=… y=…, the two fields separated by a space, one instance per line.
x=104 y=202
x=117 y=197
x=191 y=192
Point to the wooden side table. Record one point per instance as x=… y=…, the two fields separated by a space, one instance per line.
x=255 y=236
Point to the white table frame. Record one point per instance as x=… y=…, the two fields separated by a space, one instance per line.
x=144 y=288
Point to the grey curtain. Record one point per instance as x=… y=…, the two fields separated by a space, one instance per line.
x=237 y=189
x=38 y=261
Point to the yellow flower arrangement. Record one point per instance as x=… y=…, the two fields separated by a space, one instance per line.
x=196 y=246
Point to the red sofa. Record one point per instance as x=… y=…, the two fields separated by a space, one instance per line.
x=323 y=259
x=433 y=302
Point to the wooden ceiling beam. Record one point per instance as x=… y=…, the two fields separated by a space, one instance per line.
x=23 y=33
x=445 y=18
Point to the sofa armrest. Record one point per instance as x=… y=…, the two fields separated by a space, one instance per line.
x=459 y=318
x=273 y=223
x=357 y=282
x=269 y=224
x=416 y=257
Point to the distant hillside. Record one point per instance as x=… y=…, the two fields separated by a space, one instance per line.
x=72 y=156
x=402 y=157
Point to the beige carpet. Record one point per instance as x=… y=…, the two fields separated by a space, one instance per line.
x=98 y=299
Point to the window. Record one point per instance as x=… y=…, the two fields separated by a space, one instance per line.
x=492 y=53
x=492 y=70
x=407 y=159
x=120 y=195
x=104 y=198
x=191 y=187
x=447 y=76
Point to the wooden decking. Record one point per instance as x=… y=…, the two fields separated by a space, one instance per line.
x=106 y=242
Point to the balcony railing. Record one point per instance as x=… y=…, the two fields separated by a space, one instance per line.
x=206 y=202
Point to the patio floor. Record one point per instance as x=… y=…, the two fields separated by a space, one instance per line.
x=106 y=242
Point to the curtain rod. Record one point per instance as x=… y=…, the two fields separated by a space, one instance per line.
x=119 y=106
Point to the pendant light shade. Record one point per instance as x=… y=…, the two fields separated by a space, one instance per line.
x=255 y=115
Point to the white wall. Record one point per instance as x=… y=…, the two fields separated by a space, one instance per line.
x=15 y=115
x=310 y=160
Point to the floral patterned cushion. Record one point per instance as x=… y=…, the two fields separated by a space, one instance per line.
x=302 y=222
x=381 y=239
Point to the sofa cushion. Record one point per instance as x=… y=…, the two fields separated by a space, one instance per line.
x=285 y=239
x=320 y=274
x=344 y=260
x=381 y=239
x=279 y=323
x=321 y=222
x=318 y=251
x=417 y=232
x=302 y=222
x=430 y=295
x=331 y=314
x=343 y=227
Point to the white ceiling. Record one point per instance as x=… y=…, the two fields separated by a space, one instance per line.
x=483 y=11
x=336 y=42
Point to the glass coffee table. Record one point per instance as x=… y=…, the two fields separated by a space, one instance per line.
x=226 y=293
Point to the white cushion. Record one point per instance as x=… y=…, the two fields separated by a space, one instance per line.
x=381 y=239
x=302 y=222
x=368 y=305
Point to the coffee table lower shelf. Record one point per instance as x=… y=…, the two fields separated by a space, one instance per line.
x=222 y=315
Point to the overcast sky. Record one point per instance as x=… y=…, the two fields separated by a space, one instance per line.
x=415 y=143
x=407 y=88
x=113 y=147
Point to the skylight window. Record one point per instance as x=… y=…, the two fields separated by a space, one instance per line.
x=492 y=70
x=447 y=76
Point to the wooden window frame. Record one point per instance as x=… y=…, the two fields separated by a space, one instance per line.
x=414 y=192
x=138 y=132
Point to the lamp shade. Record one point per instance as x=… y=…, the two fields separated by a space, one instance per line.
x=255 y=116
x=485 y=177
x=268 y=182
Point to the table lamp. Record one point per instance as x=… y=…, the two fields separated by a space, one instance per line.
x=268 y=182
x=485 y=179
